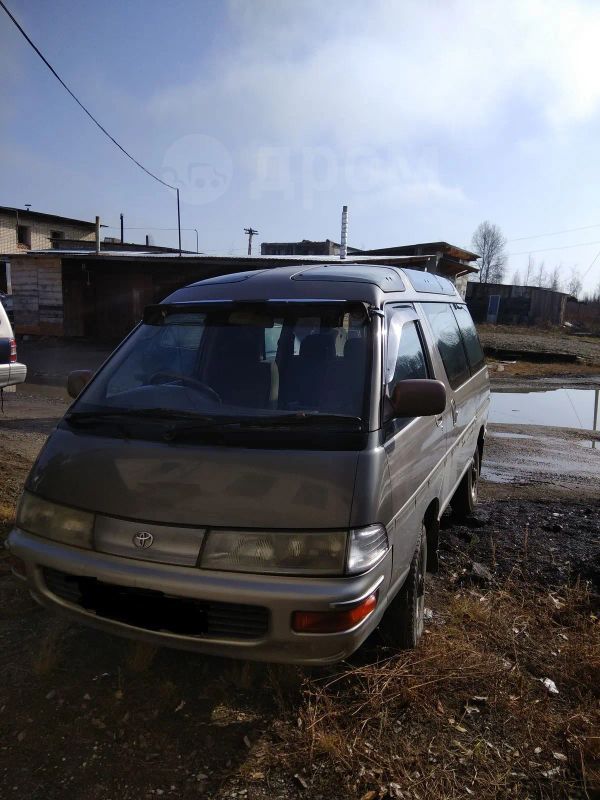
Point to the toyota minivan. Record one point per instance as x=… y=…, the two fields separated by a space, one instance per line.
x=260 y=468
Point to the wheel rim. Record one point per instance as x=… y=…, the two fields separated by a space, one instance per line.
x=474 y=481
x=420 y=603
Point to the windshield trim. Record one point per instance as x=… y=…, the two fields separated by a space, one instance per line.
x=155 y=313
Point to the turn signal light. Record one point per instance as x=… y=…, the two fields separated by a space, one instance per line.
x=13 y=351
x=333 y=621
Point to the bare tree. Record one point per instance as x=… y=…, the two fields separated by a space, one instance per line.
x=529 y=270
x=554 y=281
x=489 y=242
x=575 y=284
x=540 y=278
x=516 y=278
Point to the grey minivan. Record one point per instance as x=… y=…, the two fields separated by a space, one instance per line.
x=259 y=469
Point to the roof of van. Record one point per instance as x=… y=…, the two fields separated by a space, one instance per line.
x=362 y=282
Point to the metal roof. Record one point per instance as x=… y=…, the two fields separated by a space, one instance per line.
x=434 y=262
x=24 y=213
x=426 y=247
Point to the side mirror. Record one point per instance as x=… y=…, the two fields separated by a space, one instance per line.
x=418 y=398
x=77 y=381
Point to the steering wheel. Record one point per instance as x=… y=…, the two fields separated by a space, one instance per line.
x=186 y=380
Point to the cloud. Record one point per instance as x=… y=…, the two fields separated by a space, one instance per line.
x=405 y=78
x=390 y=72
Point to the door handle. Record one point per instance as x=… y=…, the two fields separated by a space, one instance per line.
x=454 y=410
x=439 y=421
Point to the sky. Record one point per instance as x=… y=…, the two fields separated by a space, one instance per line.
x=425 y=117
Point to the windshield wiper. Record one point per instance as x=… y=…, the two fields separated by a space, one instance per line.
x=300 y=418
x=159 y=414
x=278 y=421
x=189 y=422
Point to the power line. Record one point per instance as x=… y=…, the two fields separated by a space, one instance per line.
x=146 y=228
x=153 y=228
x=554 y=233
x=90 y=115
x=546 y=249
x=592 y=264
x=80 y=104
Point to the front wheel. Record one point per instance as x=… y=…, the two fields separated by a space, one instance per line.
x=402 y=624
x=465 y=498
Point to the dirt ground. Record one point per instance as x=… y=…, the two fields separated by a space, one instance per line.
x=541 y=340
x=500 y=700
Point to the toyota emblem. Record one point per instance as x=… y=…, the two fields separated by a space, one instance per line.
x=143 y=539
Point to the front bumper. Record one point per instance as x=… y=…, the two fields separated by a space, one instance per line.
x=12 y=373
x=279 y=595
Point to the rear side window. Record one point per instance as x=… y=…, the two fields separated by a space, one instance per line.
x=449 y=342
x=470 y=338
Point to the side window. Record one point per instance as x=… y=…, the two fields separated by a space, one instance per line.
x=405 y=356
x=470 y=338
x=449 y=342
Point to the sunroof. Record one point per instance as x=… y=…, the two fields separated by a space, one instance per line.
x=427 y=282
x=387 y=279
x=233 y=277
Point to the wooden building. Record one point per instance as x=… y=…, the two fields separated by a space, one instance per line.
x=22 y=230
x=507 y=304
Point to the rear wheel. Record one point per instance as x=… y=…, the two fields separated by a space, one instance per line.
x=402 y=624
x=465 y=498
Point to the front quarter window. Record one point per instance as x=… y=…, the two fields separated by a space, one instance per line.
x=405 y=356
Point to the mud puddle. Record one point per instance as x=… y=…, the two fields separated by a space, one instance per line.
x=565 y=408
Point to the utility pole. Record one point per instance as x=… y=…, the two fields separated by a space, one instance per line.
x=250 y=232
x=122 y=231
x=178 y=221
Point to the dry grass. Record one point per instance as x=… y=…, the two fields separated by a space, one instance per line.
x=467 y=714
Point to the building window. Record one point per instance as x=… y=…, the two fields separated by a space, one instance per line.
x=54 y=236
x=24 y=235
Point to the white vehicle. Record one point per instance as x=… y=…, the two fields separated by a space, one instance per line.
x=11 y=371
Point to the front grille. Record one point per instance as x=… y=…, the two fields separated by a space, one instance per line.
x=156 y=611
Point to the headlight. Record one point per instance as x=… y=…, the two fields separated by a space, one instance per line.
x=53 y=521
x=367 y=546
x=302 y=553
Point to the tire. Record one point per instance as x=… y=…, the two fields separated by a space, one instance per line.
x=465 y=498
x=402 y=624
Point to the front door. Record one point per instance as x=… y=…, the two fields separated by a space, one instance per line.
x=415 y=447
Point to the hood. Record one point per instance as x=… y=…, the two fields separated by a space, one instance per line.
x=199 y=485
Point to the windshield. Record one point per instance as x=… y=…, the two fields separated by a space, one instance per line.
x=258 y=361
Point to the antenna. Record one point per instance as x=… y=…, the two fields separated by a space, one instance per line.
x=344 y=235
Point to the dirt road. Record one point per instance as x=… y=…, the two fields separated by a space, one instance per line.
x=87 y=715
